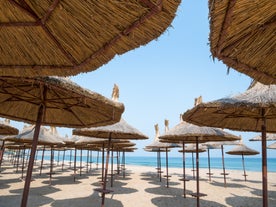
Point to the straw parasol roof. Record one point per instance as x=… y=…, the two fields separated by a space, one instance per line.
x=7 y=129
x=272 y=146
x=253 y=110
x=187 y=132
x=242 y=35
x=66 y=103
x=44 y=38
x=192 y=148
x=119 y=130
x=55 y=102
x=269 y=137
x=242 y=150
x=156 y=142
x=216 y=145
x=27 y=134
x=240 y=112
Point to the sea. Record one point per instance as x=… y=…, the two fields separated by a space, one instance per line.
x=231 y=163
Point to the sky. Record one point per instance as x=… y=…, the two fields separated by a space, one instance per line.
x=160 y=80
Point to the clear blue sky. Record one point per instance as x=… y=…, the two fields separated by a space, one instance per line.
x=160 y=80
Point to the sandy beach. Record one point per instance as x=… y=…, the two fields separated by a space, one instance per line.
x=139 y=187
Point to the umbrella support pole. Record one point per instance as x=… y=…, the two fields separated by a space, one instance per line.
x=75 y=163
x=167 y=168
x=42 y=159
x=90 y=160
x=2 y=150
x=16 y=160
x=112 y=163
x=97 y=164
x=104 y=190
x=209 y=165
x=118 y=162
x=123 y=165
x=103 y=164
x=223 y=166
x=32 y=155
x=264 y=160
x=70 y=163
x=23 y=162
x=51 y=166
x=197 y=174
x=193 y=165
x=184 y=170
x=63 y=160
x=243 y=165
x=87 y=160
x=81 y=162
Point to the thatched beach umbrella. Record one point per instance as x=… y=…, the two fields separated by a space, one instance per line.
x=191 y=148
x=156 y=144
x=5 y=129
x=209 y=147
x=269 y=137
x=191 y=133
x=120 y=130
x=242 y=35
x=158 y=159
x=43 y=38
x=26 y=135
x=45 y=138
x=242 y=150
x=55 y=102
x=220 y=145
x=100 y=143
x=253 y=110
x=272 y=146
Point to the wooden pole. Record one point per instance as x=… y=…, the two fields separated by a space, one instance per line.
x=33 y=151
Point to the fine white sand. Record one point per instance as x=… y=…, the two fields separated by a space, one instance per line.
x=139 y=187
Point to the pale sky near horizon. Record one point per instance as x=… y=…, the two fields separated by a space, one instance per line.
x=160 y=80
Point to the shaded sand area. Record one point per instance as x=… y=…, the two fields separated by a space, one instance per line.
x=139 y=187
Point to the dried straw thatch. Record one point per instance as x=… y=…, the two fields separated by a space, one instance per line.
x=191 y=133
x=7 y=129
x=119 y=130
x=269 y=137
x=240 y=112
x=27 y=134
x=43 y=38
x=66 y=104
x=242 y=35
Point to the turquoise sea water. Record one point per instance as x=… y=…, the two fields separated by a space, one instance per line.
x=235 y=163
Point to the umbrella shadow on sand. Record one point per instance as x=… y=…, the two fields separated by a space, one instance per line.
x=229 y=184
x=118 y=187
x=5 y=183
x=61 y=180
x=244 y=201
x=271 y=195
x=166 y=191
x=14 y=200
x=152 y=178
x=92 y=200
x=247 y=181
x=38 y=191
x=182 y=202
